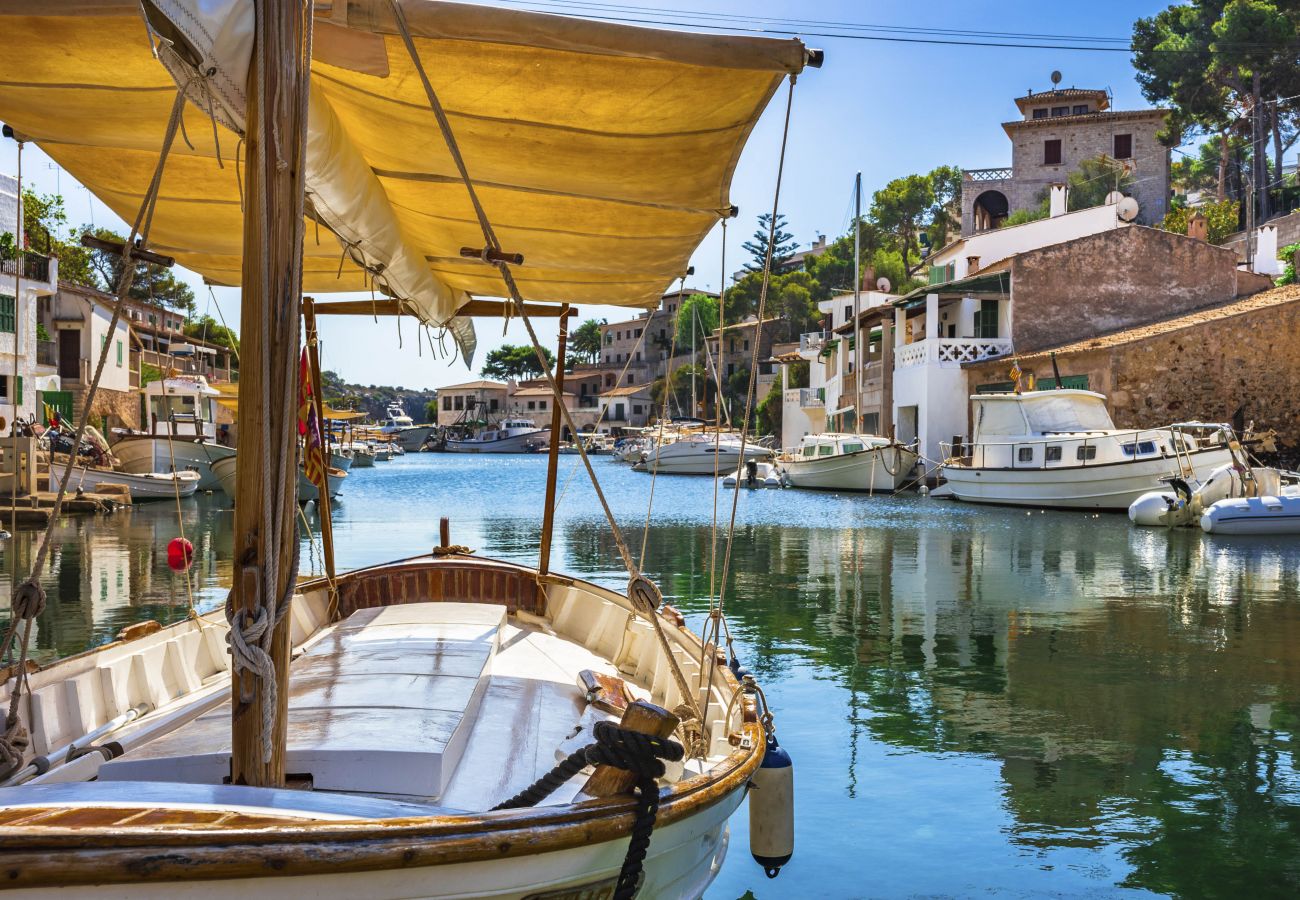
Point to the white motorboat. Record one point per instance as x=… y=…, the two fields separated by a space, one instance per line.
x=341 y=458
x=700 y=453
x=144 y=486
x=225 y=471
x=755 y=474
x=509 y=436
x=363 y=457
x=182 y=434
x=402 y=430
x=1061 y=449
x=849 y=462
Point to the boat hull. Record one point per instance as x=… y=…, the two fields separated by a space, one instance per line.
x=412 y=439
x=704 y=462
x=145 y=455
x=516 y=443
x=225 y=472
x=1253 y=515
x=152 y=486
x=1105 y=486
x=876 y=470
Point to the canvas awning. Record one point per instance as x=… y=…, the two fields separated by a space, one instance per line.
x=602 y=153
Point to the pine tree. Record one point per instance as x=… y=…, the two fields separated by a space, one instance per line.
x=783 y=243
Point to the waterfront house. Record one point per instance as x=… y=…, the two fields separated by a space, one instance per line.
x=77 y=320
x=480 y=398
x=629 y=406
x=26 y=366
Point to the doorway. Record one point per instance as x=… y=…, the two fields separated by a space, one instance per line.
x=70 y=354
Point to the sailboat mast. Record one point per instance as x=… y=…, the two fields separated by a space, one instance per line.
x=553 y=456
x=266 y=490
x=857 y=300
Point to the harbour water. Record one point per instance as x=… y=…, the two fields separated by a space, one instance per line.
x=978 y=701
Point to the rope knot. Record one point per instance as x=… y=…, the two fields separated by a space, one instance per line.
x=644 y=595
x=29 y=600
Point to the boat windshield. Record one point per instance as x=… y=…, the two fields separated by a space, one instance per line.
x=1068 y=413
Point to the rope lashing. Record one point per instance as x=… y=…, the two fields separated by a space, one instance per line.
x=28 y=600
x=631 y=751
x=452 y=550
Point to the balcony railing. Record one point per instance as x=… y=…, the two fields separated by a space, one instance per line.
x=34 y=266
x=812 y=398
x=47 y=353
x=950 y=351
x=812 y=341
x=986 y=174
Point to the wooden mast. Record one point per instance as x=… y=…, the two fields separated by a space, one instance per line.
x=553 y=460
x=267 y=475
x=323 y=500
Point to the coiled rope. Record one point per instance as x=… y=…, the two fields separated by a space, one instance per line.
x=631 y=751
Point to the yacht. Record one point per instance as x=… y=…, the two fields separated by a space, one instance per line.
x=182 y=434
x=701 y=453
x=402 y=430
x=1061 y=448
x=849 y=462
x=508 y=436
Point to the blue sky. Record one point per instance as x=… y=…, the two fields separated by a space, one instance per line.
x=885 y=109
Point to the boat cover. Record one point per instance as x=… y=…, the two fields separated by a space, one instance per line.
x=603 y=153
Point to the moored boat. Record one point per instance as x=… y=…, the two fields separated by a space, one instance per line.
x=146 y=486
x=508 y=436
x=182 y=433
x=849 y=462
x=225 y=471
x=755 y=474
x=701 y=453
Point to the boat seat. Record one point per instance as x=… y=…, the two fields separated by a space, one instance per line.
x=383 y=702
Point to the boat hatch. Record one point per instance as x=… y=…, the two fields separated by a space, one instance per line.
x=381 y=703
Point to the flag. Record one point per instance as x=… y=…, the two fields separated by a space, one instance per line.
x=1015 y=376
x=51 y=415
x=313 y=459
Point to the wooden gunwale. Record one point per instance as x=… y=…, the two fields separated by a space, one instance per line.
x=35 y=856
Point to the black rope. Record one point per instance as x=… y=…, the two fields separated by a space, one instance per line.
x=631 y=751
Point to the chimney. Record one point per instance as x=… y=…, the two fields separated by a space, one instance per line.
x=869 y=278
x=1058 y=204
x=1198 y=227
x=972 y=265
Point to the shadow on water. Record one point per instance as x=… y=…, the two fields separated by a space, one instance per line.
x=977 y=700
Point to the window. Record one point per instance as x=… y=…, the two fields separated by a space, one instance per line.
x=731 y=369
x=8 y=313
x=986 y=320
x=630 y=379
x=609 y=339
x=1123 y=146
x=4 y=389
x=541 y=404
x=1081 y=109
x=636 y=409
x=638 y=356
x=119 y=354
x=494 y=404
x=446 y=403
x=1085 y=453
x=638 y=333
x=853 y=448
x=609 y=379
x=1040 y=113
x=460 y=402
x=825 y=450
x=848 y=313
x=1025 y=454
x=1060 y=111
x=1052 y=153
x=809 y=451
x=1052 y=453
x=532 y=405
x=733 y=345
x=746 y=346
x=1138 y=448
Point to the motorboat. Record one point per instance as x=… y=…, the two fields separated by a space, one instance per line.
x=144 y=486
x=363 y=457
x=402 y=430
x=508 y=436
x=1060 y=448
x=701 y=453
x=755 y=474
x=849 y=462
x=182 y=433
x=341 y=458
x=225 y=470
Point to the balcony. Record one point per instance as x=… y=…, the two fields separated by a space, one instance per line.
x=812 y=398
x=950 y=352
x=812 y=342
x=981 y=175
x=35 y=267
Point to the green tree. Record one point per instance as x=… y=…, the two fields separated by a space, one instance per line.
x=783 y=243
x=1093 y=180
x=903 y=208
x=514 y=361
x=150 y=283
x=584 y=345
x=1220 y=219
x=46 y=226
x=209 y=329
x=700 y=312
x=431 y=410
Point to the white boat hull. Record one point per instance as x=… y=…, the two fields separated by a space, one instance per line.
x=706 y=461
x=151 y=486
x=225 y=472
x=1105 y=486
x=1253 y=515
x=412 y=439
x=516 y=443
x=878 y=470
x=145 y=455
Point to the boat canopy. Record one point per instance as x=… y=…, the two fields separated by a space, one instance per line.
x=602 y=153
x=1040 y=412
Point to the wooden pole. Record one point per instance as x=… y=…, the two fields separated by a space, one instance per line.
x=323 y=502
x=266 y=492
x=641 y=716
x=553 y=460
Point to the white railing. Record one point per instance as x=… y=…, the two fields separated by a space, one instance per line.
x=811 y=398
x=950 y=351
x=813 y=340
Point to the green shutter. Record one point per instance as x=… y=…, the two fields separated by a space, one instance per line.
x=119 y=354
x=18 y=392
x=7 y=313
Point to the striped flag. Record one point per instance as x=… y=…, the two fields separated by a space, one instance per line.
x=313 y=458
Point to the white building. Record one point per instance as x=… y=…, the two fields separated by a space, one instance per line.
x=24 y=281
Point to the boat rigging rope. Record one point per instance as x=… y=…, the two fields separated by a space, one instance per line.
x=631 y=751
x=176 y=490
x=669 y=391
x=29 y=598
x=638 y=585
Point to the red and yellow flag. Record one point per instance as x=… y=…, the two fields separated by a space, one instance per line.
x=313 y=456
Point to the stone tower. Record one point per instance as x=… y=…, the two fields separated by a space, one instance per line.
x=1057 y=130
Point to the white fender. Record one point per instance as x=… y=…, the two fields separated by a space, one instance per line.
x=771 y=810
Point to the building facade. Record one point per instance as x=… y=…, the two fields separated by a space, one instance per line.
x=1058 y=130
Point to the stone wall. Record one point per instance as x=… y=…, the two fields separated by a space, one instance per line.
x=121 y=407
x=1115 y=280
x=1242 y=365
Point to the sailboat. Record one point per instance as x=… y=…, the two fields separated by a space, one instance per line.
x=832 y=461
x=392 y=731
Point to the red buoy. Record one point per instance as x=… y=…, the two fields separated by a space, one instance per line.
x=180 y=554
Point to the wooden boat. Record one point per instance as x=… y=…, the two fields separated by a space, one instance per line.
x=226 y=469
x=507 y=436
x=144 y=487
x=849 y=462
x=182 y=434
x=366 y=728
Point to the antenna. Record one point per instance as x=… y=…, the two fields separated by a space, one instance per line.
x=1056 y=78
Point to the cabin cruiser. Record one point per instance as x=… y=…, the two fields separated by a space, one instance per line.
x=182 y=435
x=402 y=430
x=701 y=453
x=849 y=462
x=508 y=436
x=1060 y=448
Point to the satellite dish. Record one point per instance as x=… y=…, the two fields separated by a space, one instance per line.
x=882 y=285
x=1056 y=78
x=1113 y=197
x=1127 y=209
